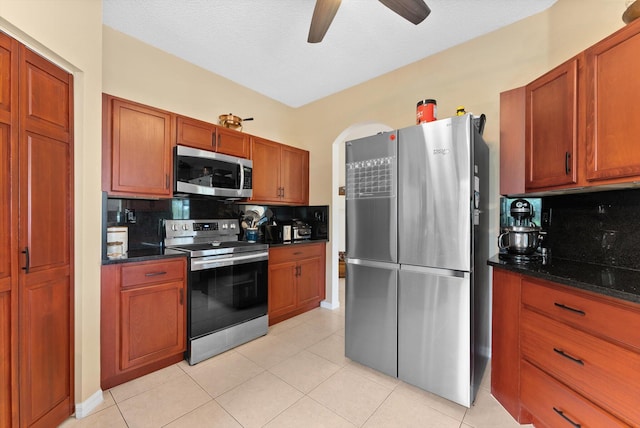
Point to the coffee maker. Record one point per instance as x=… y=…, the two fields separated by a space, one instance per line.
x=521 y=240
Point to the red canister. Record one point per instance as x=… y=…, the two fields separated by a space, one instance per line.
x=426 y=111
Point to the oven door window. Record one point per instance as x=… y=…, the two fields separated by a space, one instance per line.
x=208 y=172
x=222 y=297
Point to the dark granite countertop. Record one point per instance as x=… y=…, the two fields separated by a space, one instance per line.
x=157 y=253
x=141 y=255
x=305 y=242
x=610 y=281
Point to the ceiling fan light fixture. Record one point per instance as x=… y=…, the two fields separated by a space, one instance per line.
x=323 y=14
x=414 y=11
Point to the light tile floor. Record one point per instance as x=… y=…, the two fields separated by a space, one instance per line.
x=296 y=376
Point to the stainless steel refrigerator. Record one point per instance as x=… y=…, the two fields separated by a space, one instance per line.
x=417 y=282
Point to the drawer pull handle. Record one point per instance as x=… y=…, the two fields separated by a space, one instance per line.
x=566 y=418
x=155 y=273
x=297 y=253
x=564 y=354
x=570 y=309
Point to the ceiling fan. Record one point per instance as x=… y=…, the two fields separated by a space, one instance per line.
x=414 y=11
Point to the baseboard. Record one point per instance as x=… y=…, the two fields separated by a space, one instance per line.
x=328 y=305
x=83 y=409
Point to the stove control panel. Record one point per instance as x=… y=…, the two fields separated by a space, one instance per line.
x=200 y=228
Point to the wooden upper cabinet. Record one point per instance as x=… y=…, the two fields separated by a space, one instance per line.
x=280 y=173
x=195 y=133
x=206 y=136
x=294 y=178
x=552 y=128
x=613 y=111
x=266 y=170
x=232 y=142
x=512 y=136
x=137 y=149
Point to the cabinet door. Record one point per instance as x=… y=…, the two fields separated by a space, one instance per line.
x=512 y=141
x=140 y=155
x=45 y=232
x=505 y=344
x=294 y=175
x=194 y=133
x=552 y=128
x=282 y=290
x=6 y=280
x=613 y=111
x=266 y=170
x=309 y=278
x=231 y=142
x=152 y=323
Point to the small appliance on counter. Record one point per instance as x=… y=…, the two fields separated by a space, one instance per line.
x=520 y=241
x=117 y=242
x=300 y=230
x=319 y=229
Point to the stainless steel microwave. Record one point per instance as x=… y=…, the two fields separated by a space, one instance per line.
x=201 y=172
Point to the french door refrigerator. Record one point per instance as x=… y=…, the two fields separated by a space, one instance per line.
x=417 y=283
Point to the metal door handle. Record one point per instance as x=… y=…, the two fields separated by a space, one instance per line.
x=570 y=309
x=27 y=260
x=569 y=357
x=566 y=418
x=567 y=163
x=155 y=273
x=181 y=296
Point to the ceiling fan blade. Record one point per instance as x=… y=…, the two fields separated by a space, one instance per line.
x=412 y=10
x=323 y=15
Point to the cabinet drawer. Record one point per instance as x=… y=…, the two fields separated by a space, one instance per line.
x=555 y=405
x=294 y=252
x=585 y=312
x=605 y=373
x=150 y=272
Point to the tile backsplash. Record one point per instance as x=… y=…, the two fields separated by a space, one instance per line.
x=144 y=218
x=599 y=227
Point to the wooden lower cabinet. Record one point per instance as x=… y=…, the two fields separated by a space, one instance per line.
x=505 y=343
x=296 y=279
x=553 y=404
x=577 y=354
x=143 y=318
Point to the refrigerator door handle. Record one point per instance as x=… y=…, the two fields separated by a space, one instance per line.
x=373 y=263
x=435 y=271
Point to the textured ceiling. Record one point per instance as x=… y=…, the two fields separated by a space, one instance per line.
x=262 y=44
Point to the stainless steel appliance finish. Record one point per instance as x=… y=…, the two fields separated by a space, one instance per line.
x=227 y=285
x=371 y=329
x=374 y=319
x=202 y=172
x=438 y=242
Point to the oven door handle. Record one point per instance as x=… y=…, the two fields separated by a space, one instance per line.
x=230 y=260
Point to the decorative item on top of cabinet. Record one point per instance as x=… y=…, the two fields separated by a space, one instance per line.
x=137 y=142
x=143 y=318
x=296 y=279
x=280 y=173
x=551 y=124
x=613 y=111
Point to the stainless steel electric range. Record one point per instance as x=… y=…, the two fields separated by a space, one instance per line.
x=227 y=285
